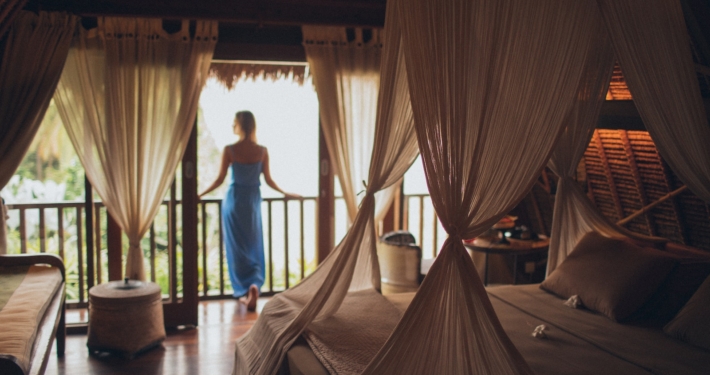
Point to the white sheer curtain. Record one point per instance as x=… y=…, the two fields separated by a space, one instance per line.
x=651 y=42
x=35 y=50
x=491 y=83
x=346 y=75
x=573 y=214
x=128 y=98
x=352 y=266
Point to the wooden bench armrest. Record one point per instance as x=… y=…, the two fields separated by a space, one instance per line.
x=32 y=259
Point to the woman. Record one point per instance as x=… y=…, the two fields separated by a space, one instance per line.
x=241 y=209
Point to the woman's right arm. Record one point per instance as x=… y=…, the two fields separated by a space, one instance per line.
x=226 y=160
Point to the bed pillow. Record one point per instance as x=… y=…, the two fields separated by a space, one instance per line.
x=682 y=282
x=692 y=324
x=611 y=276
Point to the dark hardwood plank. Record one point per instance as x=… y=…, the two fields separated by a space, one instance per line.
x=207 y=349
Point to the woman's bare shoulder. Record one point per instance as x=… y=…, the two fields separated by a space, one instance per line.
x=245 y=152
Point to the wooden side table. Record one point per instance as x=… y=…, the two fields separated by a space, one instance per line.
x=125 y=317
x=512 y=247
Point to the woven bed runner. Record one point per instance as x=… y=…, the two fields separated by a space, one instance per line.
x=346 y=342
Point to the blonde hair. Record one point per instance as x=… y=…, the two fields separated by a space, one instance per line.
x=247 y=123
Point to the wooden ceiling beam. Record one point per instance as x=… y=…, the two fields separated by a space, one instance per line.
x=622 y=114
x=356 y=13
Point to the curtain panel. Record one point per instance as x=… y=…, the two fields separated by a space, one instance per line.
x=491 y=84
x=9 y=9
x=573 y=215
x=351 y=270
x=652 y=44
x=128 y=98
x=346 y=75
x=35 y=50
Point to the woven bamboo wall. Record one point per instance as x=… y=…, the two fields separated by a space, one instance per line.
x=617 y=86
x=624 y=173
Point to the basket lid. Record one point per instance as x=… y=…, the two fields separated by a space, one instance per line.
x=126 y=291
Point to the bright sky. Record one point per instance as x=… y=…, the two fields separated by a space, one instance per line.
x=286 y=123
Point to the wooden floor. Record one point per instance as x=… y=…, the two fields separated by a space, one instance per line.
x=207 y=349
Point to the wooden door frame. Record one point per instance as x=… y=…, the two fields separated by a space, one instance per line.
x=325 y=216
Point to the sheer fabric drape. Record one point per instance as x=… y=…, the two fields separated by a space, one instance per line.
x=35 y=50
x=573 y=215
x=346 y=75
x=652 y=45
x=352 y=266
x=128 y=98
x=491 y=83
x=9 y=9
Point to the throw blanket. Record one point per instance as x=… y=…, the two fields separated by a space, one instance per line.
x=25 y=294
x=344 y=354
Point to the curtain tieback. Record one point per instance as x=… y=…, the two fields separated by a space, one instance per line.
x=369 y=198
x=454 y=235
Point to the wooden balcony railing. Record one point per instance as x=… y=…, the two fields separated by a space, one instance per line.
x=289 y=241
x=289 y=245
x=287 y=262
x=421 y=220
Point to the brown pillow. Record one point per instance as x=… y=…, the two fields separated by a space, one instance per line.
x=664 y=304
x=692 y=324
x=611 y=276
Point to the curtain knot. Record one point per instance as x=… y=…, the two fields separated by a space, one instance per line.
x=454 y=233
x=369 y=196
x=453 y=229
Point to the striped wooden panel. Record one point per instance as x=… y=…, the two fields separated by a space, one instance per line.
x=624 y=172
x=617 y=86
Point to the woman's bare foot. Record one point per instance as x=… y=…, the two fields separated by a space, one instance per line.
x=252 y=297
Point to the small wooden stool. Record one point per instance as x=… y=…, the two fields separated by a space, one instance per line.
x=125 y=317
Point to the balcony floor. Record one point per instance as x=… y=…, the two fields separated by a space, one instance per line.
x=207 y=349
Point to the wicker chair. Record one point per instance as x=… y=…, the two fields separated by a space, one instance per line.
x=400 y=262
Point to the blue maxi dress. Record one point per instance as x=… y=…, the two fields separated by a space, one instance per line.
x=241 y=222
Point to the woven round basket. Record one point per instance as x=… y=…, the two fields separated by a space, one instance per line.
x=125 y=317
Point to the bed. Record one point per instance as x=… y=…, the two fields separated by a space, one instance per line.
x=31 y=312
x=583 y=340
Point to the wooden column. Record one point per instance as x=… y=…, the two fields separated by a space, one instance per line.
x=325 y=217
x=189 y=229
x=89 y=212
x=115 y=248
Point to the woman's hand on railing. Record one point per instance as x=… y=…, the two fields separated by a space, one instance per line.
x=288 y=196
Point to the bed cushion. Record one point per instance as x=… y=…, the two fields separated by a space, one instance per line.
x=611 y=276
x=692 y=324
x=663 y=305
x=24 y=308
